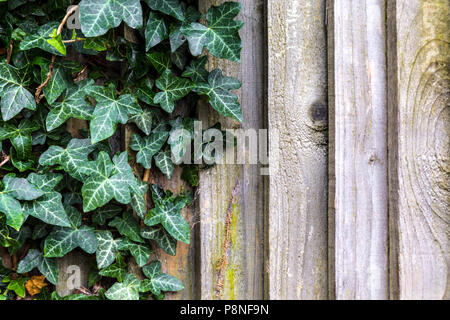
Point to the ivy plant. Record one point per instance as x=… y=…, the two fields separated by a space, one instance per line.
x=63 y=189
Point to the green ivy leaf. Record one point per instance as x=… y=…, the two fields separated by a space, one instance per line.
x=144 y=92
x=63 y=240
x=158 y=281
x=160 y=61
x=143 y=120
x=19 y=136
x=138 y=201
x=172 y=89
x=107 y=249
x=107 y=181
x=221 y=36
x=140 y=252
x=164 y=162
x=40 y=39
x=34 y=259
x=105 y=213
x=127 y=226
x=13 y=93
x=126 y=290
x=56 y=42
x=72 y=105
x=71 y=159
x=162 y=238
x=49 y=207
x=169 y=7
x=197 y=70
x=110 y=111
x=155 y=31
x=116 y=270
x=180 y=137
x=148 y=147
x=20 y=188
x=168 y=213
x=218 y=90
x=98 y=16
x=18 y=286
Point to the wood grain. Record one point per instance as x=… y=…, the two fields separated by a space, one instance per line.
x=297 y=111
x=359 y=150
x=244 y=274
x=421 y=110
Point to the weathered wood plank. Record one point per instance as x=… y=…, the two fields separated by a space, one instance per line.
x=297 y=111
x=419 y=103
x=243 y=276
x=359 y=157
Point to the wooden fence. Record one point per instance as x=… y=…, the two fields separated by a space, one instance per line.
x=355 y=95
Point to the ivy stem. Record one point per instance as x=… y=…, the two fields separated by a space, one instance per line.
x=66 y=17
x=5 y=161
x=145 y=179
x=9 y=54
x=37 y=95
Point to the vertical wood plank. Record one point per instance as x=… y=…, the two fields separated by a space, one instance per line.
x=297 y=103
x=359 y=157
x=243 y=276
x=421 y=117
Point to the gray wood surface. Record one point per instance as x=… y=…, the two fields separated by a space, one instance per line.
x=359 y=152
x=297 y=111
x=419 y=107
x=243 y=276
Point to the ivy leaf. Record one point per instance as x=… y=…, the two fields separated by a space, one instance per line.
x=107 y=181
x=98 y=16
x=63 y=240
x=221 y=36
x=140 y=252
x=40 y=39
x=18 y=286
x=173 y=89
x=155 y=31
x=218 y=90
x=162 y=238
x=127 y=290
x=170 y=7
x=160 y=61
x=5 y=239
x=19 y=136
x=49 y=207
x=72 y=105
x=138 y=200
x=110 y=111
x=13 y=93
x=143 y=120
x=190 y=174
x=127 y=226
x=56 y=42
x=20 y=188
x=164 y=162
x=145 y=93
x=105 y=213
x=107 y=249
x=34 y=259
x=148 y=147
x=180 y=137
x=71 y=159
x=197 y=70
x=12 y=209
x=158 y=281
x=168 y=213
x=116 y=270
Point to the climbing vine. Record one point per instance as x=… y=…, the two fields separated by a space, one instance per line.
x=62 y=191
